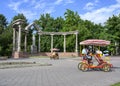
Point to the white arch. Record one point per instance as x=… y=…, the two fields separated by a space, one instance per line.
x=27 y=30
x=33 y=24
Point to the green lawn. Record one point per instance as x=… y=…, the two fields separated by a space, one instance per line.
x=116 y=84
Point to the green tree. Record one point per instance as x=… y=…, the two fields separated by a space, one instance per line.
x=99 y=32
x=3 y=23
x=3 y=26
x=46 y=22
x=58 y=24
x=21 y=16
x=58 y=39
x=6 y=42
x=113 y=28
x=6 y=37
x=72 y=20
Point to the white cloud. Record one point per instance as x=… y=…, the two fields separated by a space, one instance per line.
x=49 y=10
x=29 y=14
x=96 y=1
x=65 y=2
x=25 y=0
x=15 y=5
x=102 y=14
x=89 y=6
x=118 y=1
x=69 y=1
x=32 y=2
x=57 y=2
x=40 y=5
x=33 y=8
x=95 y=16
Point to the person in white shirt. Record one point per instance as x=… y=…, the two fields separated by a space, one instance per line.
x=84 y=52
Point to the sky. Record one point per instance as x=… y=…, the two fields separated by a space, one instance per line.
x=97 y=11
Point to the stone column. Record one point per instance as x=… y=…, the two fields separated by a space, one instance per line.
x=39 y=44
x=19 y=39
x=33 y=38
x=76 y=45
x=116 y=48
x=25 y=44
x=51 y=42
x=14 y=39
x=33 y=46
x=64 y=42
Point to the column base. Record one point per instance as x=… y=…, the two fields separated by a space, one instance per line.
x=33 y=49
x=17 y=55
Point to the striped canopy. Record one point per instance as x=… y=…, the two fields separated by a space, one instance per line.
x=97 y=42
x=55 y=49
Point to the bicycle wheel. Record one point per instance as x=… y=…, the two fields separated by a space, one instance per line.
x=106 y=68
x=84 y=67
x=79 y=65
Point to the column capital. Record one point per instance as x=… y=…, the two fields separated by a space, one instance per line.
x=52 y=34
x=64 y=34
x=26 y=31
x=76 y=33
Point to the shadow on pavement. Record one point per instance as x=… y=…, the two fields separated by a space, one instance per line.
x=115 y=68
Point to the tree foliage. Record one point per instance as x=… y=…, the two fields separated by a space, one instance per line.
x=3 y=36
x=113 y=29
x=3 y=23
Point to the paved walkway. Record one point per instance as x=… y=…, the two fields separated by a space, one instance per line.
x=63 y=72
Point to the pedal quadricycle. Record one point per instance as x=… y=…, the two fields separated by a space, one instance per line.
x=87 y=62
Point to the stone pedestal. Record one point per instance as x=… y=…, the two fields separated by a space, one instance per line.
x=33 y=49
x=17 y=55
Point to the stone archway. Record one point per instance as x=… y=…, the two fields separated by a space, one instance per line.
x=17 y=31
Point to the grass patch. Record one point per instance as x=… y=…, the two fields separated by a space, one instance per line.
x=116 y=84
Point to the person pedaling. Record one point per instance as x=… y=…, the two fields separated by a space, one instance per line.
x=89 y=58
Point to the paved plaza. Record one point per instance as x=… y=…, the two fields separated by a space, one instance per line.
x=62 y=72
